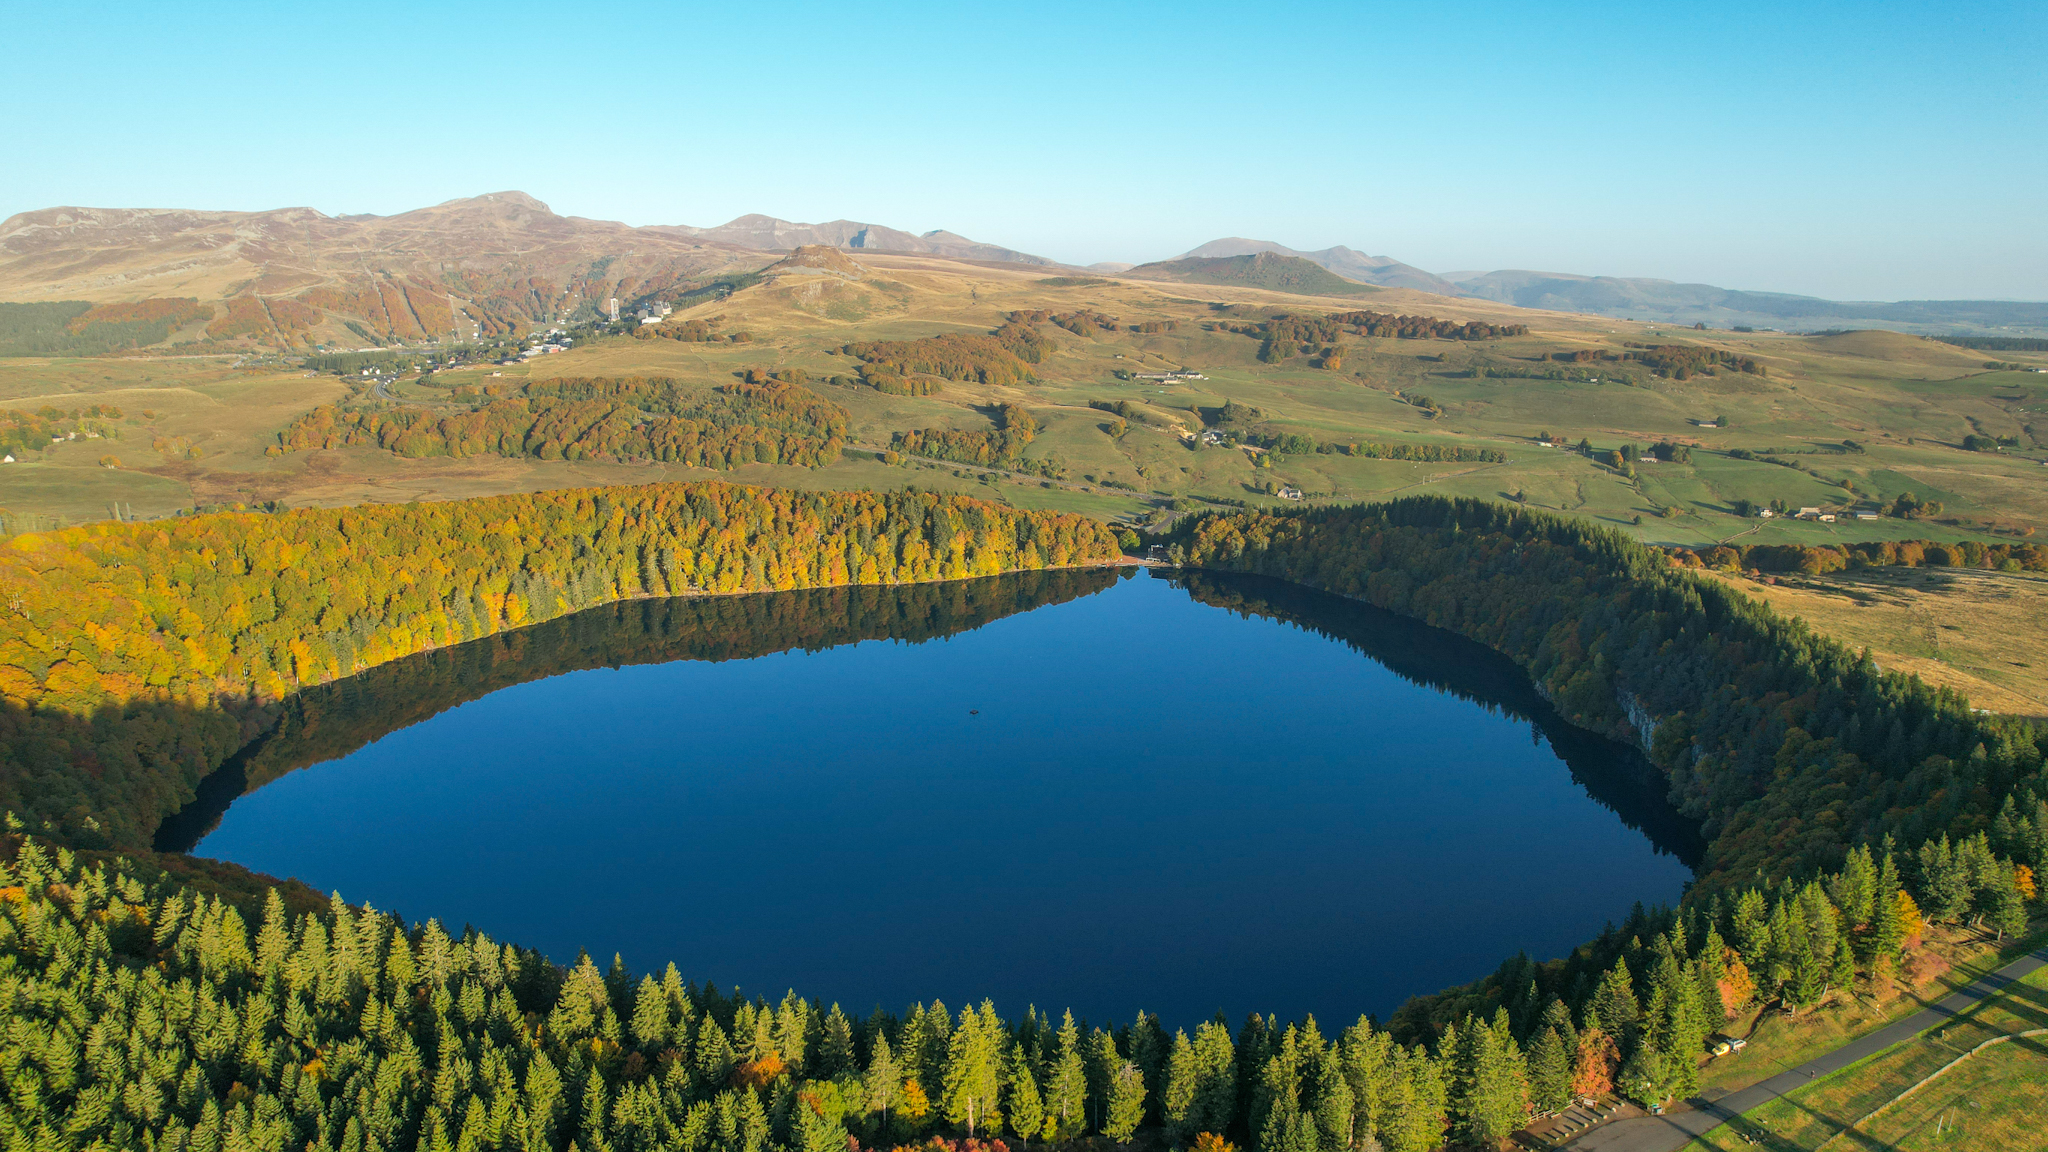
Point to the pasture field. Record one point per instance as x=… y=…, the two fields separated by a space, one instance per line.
x=1981 y=633
x=1903 y=404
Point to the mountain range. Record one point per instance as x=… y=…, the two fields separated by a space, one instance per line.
x=1661 y=301
x=504 y=261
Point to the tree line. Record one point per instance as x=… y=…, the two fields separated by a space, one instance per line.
x=1818 y=559
x=635 y=418
x=139 y=655
x=1296 y=444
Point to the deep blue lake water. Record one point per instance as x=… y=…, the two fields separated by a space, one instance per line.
x=1128 y=797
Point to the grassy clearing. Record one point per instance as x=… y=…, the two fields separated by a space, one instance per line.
x=1990 y=1102
x=1982 y=633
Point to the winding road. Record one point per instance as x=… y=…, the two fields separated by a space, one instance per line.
x=1675 y=1130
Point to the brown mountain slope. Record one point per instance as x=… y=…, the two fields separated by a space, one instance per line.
x=295 y=276
x=768 y=234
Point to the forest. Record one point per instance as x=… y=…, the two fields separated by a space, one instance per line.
x=1002 y=447
x=79 y=328
x=140 y=655
x=634 y=418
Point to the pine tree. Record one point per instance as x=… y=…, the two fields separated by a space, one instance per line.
x=650 y=1015
x=1854 y=888
x=1550 y=1072
x=1023 y=1107
x=883 y=1083
x=1367 y=1054
x=1415 y=1111
x=715 y=1057
x=1887 y=934
x=1148 y=1048
x=1751 y=925
x=1126 y=1108
x=1943 y=882
x=971 y=1081
x=1178 y=1103
x=1215 y=1103
x=1642 y=1076
x=1490 y=1089
x=1066 y=1085
x=835 y=1046
x=1613 y=1008
x=2006 y=913
x=1327 y=1098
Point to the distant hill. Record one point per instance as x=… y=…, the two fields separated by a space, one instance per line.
x=1268 y=270
x=1352 y=265
x=768 y=234
x=1671 y=302
x=1660 y=301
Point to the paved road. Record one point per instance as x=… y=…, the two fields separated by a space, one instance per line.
x=1671 y=1132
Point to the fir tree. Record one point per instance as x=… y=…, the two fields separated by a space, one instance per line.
x=1023 y=1107
x=1066 y=1085
x=1550 y=1072
x=883 y=1082
x=1126 y=1105
x=971 y=1079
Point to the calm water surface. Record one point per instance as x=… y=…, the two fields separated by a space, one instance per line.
x=1226 y=795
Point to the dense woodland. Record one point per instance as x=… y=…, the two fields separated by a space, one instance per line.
x=635 y=418
x=79 y=328
x=139 y=655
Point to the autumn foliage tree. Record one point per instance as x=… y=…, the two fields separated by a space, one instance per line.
x=139 y=654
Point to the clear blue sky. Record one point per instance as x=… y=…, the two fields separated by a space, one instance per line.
x=1862 y=151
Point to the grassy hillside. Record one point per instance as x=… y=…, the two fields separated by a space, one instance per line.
x=1907 y=404
x=1269 y=270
